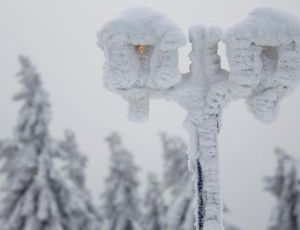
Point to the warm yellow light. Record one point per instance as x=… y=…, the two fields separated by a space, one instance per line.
x=140 y=49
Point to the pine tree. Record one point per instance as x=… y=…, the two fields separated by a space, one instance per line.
x=177 y=182
x=154 y=205
x=76 y=162
x=86 y=217
x=36 y=197
x=227 y=225
x=30 y=200
x=285 y=187
x=121 y=204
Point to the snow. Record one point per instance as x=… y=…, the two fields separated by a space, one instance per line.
x=264 y=59
x=126 y=70
x=35 y=195
x=120 y=199
x=177 y=181
x=154 y=207
x=284 y=185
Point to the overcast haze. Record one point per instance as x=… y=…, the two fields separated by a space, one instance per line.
x=60 y=38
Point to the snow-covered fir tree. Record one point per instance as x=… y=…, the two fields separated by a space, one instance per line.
x=75 y=160
x=35 y=196
x=154 y=205
x=227 y=225
x=85 y=217
x=285 y=186
x=177 y=182
x=30 y=192
x=121 y=209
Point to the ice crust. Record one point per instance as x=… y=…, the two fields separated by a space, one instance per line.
x=264 y=59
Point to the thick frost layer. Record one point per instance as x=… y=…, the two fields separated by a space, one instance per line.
x=140 y=48
x=203 y=94
x=264 y=57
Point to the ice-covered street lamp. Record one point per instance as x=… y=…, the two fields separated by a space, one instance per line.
x=263 y=52
x=141 y=50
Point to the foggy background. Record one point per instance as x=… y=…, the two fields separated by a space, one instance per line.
x=60 y=38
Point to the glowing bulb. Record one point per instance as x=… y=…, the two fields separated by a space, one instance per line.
x=140 y=49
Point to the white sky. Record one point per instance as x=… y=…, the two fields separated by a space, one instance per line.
x=59 y=36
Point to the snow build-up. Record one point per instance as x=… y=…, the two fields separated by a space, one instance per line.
x=263 y=51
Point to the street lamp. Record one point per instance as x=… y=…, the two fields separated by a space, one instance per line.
x=263 y=51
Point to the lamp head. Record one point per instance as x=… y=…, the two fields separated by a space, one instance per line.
x=141 y=52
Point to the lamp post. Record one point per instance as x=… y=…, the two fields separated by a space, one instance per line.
x=263 y=51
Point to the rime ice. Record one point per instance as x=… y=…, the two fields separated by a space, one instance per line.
x=134 y=74
x=264 y=57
